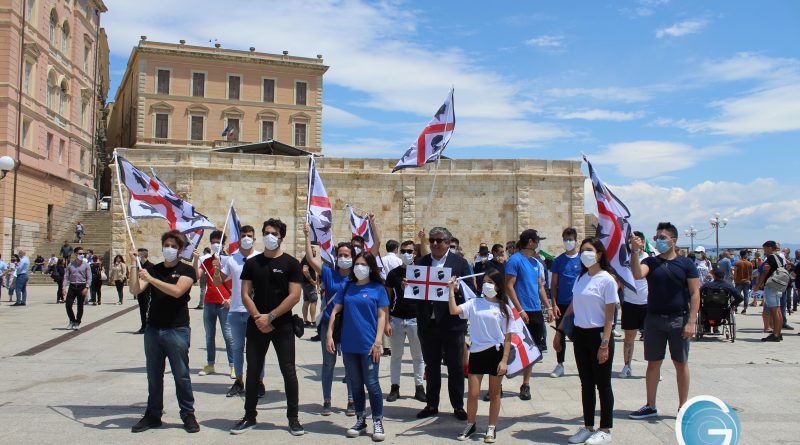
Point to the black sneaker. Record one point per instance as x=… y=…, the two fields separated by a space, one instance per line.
x=394 y=394
x=190 y=423
x=145 y=423
x=644 y=412
x=262 y=390
x=468 y=431
x=295 y=427
x=378 y=433
x=243 y=425
x=314 y=338
x=788 y=327
x=350 y=411
x=525 y=392
x=460 y=414
x=427 y=412
x=236 y=389
x=770 y=337
x=359 y=428
x=419 y=393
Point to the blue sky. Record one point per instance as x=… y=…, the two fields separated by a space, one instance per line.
x=686 y=108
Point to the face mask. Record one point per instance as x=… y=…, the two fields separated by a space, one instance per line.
x=357 y=250
x=569 y=244
x=361 y=271
x=246 y=242
x=662 y=245
x=588 y=258
x=170 y=254
x=489 y=290
x=81 y=257
x=344 y=263
x=216 y=247
x=453 y=250
x=271 y=242
x=407 y=258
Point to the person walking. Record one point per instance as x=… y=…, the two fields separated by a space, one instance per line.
x=66 y=251
x=96 y=289
x=594 y=300
x=565 y=270
x=10 y=276
x=742 y=275
x=119 y=274
x=79 y=232
x=21 y=285
x=365 y=302
x=77 y=279
x=58 y=277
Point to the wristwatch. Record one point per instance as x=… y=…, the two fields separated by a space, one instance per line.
x=604 y=342
x=271 y=317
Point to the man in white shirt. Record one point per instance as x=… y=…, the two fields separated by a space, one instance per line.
x=390 y=260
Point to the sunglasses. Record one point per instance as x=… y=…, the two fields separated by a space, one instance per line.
x=436 y=240
x=407 y=251
x=661 y=237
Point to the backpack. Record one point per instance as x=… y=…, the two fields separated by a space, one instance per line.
x=779 y=280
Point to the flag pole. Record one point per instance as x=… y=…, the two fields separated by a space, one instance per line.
x=124 y=209
x=311 y=165
x=225 y=226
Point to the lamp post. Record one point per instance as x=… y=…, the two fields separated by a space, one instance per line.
x=716 y=224
x=7 y=164
x=691 y=232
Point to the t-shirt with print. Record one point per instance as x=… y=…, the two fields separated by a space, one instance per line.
x=232 y=268
x=271 y=278
x=487 y=325
x=669 y=296
x=590 y=296
x=527 y=283
x=568 y=267
x=164 y=310
x=703 y=270
x=333 y=282
x=360 y=322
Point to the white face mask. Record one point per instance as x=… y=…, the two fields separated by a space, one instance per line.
x=216 y=247
x=588 y=258
x=80 y=257
x=453 y=250
x=361 y=271
x=407 y=258
x=246 y=242
x=170 y=254
x=344 y=263
x=271 y=242
x=357 y=250
x=489 y=290
x=569 y=244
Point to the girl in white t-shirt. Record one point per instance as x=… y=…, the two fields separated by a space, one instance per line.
x=594 y=298
x=489 y=318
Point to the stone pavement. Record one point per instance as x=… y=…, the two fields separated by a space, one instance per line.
x=91 y=387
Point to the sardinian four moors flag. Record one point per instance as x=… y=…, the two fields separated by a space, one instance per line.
x=319 y=215
x=613 y=229
x=234 y=229
x=433 y=139
x=193 y=240
x=360 y=226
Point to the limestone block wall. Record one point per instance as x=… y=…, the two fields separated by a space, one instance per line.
x=477 y=200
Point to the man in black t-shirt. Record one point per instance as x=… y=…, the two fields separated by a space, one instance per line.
x=168 y=334
x=274 y=278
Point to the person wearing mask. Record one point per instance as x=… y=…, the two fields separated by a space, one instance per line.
x=634 y=312
x=203 y=280
x=333 y=280
x=96 y=290
x=58 y=276
x=77 y=279
x=365 y=303
x=119 y=274
x=271 y=286
x=402 y=325
x=673 y=301
x=525 y=289
x=594 y=299
x=742 y=275
x=441 y=334
x=772 y=297
x=143 y=297
x=703 y=264
x=168 y=333
x=565 y=270
x=489 y=319
x=310 y=291
x=216 y=304
x=23 y=266
x=481 y=263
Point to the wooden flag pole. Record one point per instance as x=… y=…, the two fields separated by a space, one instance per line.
x=124 y=208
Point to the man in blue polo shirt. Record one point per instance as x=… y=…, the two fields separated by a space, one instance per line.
x=23 y=267
x=566 y=268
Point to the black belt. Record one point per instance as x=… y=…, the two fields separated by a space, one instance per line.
x=673 y=315
x=77 y=284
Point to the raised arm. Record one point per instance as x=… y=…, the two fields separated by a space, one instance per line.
x=315 y=263
x=638 y=269
x=376 y=237
x=451 y=302
x=423 y=246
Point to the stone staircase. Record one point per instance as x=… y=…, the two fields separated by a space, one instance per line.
x=97 y=225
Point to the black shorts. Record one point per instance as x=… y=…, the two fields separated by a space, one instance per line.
x=486 y=361
x=633 y=316
x=536 y=327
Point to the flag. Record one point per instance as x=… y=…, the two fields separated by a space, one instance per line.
x=613 y=229
x=524 y=352
x=193 y=240
x=360 y=226
x=648 y=247
x=469 y=294
x=234 y=229
x=226 y=130
x=319 y=215
x=547 y=255
x=433 y=139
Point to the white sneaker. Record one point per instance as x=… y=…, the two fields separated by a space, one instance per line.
x=599 y=438
x=558 y=371
x=616 y=333
x=70 y=325
x=625 y=373
x=581 y=436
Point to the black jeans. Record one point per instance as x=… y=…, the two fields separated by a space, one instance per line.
x=144 y=302
x=586 y=343
x=96 y=293
x=59 y=291
x=257 y=345
x=75 y=292
x=451 y=345
x=120 y=286
x=562 y=353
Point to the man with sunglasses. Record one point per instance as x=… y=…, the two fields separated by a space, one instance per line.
x=673 y=301
x=441 y=333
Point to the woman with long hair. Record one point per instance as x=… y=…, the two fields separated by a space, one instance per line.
x=490 y=340
x=365 y=303
x=96 y=290
x=119 y=273
x=594 y=300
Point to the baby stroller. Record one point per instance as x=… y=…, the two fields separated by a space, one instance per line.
x=716 y=311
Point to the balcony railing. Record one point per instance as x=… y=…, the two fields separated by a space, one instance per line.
x=192 y=143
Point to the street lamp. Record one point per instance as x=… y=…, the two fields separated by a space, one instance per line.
x=691 y=232
x=717 y=224
x=7 y=164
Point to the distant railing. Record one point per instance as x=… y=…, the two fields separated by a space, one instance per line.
x=192 y=143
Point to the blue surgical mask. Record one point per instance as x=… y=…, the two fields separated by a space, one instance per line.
x=662 y=245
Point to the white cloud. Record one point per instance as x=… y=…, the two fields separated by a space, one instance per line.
x=649 y=159
x=366 y=147
x=601 y=115
x=546 y=41
x=747 y=65
x=679 y=29
x=337 y=118
x=614 y=94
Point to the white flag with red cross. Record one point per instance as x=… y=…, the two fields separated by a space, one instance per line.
x=524 y=352
x=319 y=214
x=433 y=139
x=427 y=283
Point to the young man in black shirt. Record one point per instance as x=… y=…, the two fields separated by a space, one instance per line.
x=168 y=334
x=274 y=278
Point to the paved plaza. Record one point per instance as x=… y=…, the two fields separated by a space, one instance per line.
x=90 y=387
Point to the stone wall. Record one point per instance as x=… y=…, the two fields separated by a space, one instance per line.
x=478 y=200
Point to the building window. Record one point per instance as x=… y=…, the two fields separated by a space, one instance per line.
x=199 y=84
x=62 y=99
x=162 y=126
x=300 y=93
x=87 y=52
x=83 y=158
x=26 y=81
x=65 y=39
x=234 y=86
x=299 y=135
x=269 y=90
x=84 y=108
x=267 y=130
x=51 y=88
x=49 y=146
x=30 y=10
x=232 y=127
x=197 y=128
x=53 y=27
x=163 y=82
x=60 y=150
x=26 y=132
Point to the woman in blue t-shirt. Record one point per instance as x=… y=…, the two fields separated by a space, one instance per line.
x=333 y=280
x=365 y=304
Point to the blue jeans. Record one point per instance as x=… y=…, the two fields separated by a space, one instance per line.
x=212 y=312
x=743 y=290
x=328 y=365
x=173 y=344
x=22 y=288
x=361 y=372
x=237 y=329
